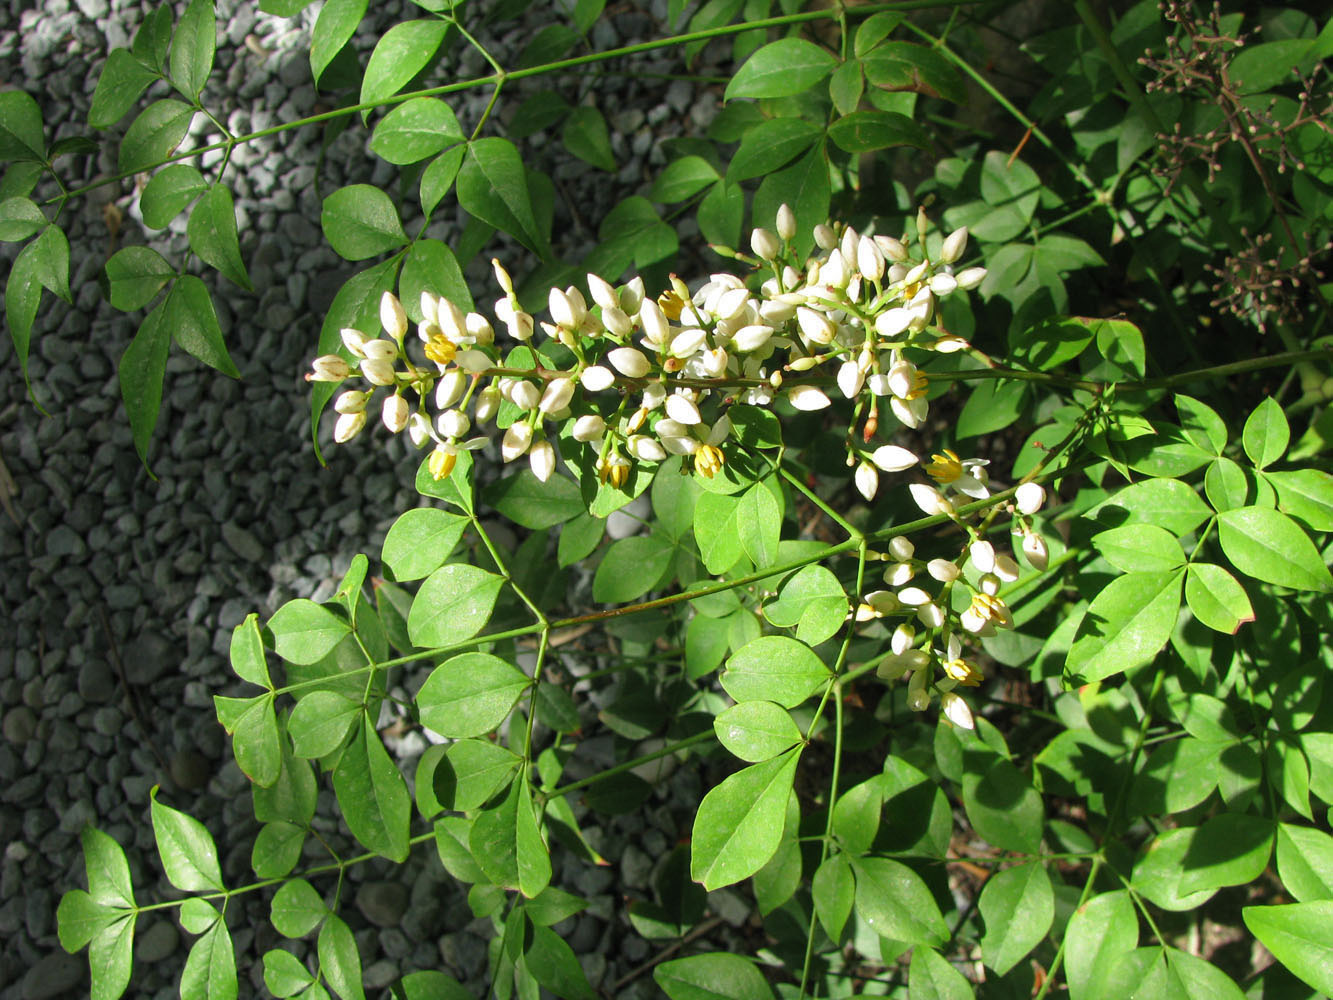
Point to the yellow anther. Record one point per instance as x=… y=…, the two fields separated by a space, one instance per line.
x=708 y=460
x=671 y=303
x=962 y=672
x=440 y=350
x=944 y=468
x=441 y=463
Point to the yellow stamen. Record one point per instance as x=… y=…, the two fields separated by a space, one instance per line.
x=671 y=304
x=962 y=672
x=441 y=463
x=440 y=350
x=708 y=460
x=944 y=468
x=990 y=608
x=920 y=386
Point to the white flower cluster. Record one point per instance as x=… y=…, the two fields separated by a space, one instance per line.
x=644 y=378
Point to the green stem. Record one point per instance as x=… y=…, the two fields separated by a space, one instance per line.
x=689 y=741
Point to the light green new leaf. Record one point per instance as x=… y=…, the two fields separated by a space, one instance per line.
x=420 y=541
x=774 y=668
x=632 y=567
x=1297 y=935
x=305 y=632
x=856 y=816
x=108 y=871
x=402 y=52
x=1270 y=546
x=194 y=324
x=320 y=722
x=193 y=45
x=833 y=892
x=1126 y=625
x=210 y=968
x=813 y=601
x=1228 y=849
x=1099 y=932
x=715 y=975
x=297 y=909
x=493 y=186
x=717 y=531
x=1305 y=862
x=360 y=221
x=136 y=275
x=372 y=794
x=452 y=605
x=682 y=179
x=339 y=959
x=415 y=130
x=1266 y=434
x=469 y=694
x=586 y=136
x=110 y=957
x=19 y=218
x=169 y=192
x=739 y=823
x=277 y=849
x=80 y=918
x=781 y=69
x=21 y=134
x=756 y=730
x=760 y=519
x=1018 y=906
x=142 y=369
x=931 y=977
x=1192 y=978
x=154 y=134
x=1305 y=494
x=1201 y=424
x=213 y=238
x=1216 y=598
x=333 y=29
x=284 y=975
x=256 y=742
x=247 y=653
x=1139 y=548
x=123 y=79
x=896 y=903
x=186 y=848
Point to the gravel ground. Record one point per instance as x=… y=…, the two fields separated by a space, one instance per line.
x=119 y=593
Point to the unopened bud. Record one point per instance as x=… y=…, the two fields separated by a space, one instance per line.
x=328 y=368
x=392 y=317
x=348 y=426
x=395 y=413
x=355 y=341
x=351 y=401
x=629 y=361
x=954 y=245
x=589 y=427
x=557 y=395
x=542 y=460
x=378 y=371
x=786 y=222
x=764 y=244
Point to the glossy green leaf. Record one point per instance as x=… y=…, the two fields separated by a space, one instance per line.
x=80 y=918
x=21 y=133
x=415 y=130
x=1225 y=484
x=210 y=968
x=1305 y=494
x=297 y=909
x=142 y=369
x=213 y=237
x=193 y=45
x=1126 y=625
x=1228 y=849
x=897 y=904
x=455 y=488
x=846 y=86
x=284 y=975
x=469 y=694
x=866 y=131
x=740 y=821
x=632 y=567
x=907 y=66
x=305 y=632
x=1297 y=935
x=1099 y=932
x=170 y=192
x=334 y=28
x=276 y=850
x=1266 y=434
x=833 y=891
x=1018 y=906
x=186 y=849
x=526 y=500
x=154 y=134
x=400 y=54
x=756 y=730
x=813 y=602
x=770 y=145
x=856 y=816
x=439 y=176
x=493 y=186
x=632 y=233
x=431 y=985
x=320 y=723
x=579 y=539
x=292 y=797
x=420 y=541
x=339 y=960
x=452 y=605
x=586 y=136
x=1177 y=776
x=781 y=69
x=552 y=963
x=372 y=794
x=360 y=221
x=247 y=653
x=1142 y=548
x=50 y=261
x=721 y=213
x=715 y=975
x=110 y=958
x=136 y=275
x=532 y=855
x=19 y=219
x=470 y=772
x=1003 y=806
x=774 y=668
x=1305 y=862
x=682 y=179
x=194 y=324
x=1216 y=598
x=1270 y=546
x=23 y=294
x=930 y=976
x=108 y=871
x=255 y=742
x=759 y=516
x=1201 y=423
x=153 y=38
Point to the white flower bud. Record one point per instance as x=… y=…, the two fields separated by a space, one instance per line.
x=892 y=458
x=392 y=317
x=713 y=362
x=557 y=395
x=629 y=361
x=835 y=271
x=519 y=324
x=1029 y=498
x=869 y=259
x=452 y=321
x=930 y=615
x=942 y=284
x=631 y=295
x=380 y=350
x=764 y=244
x=479 y=329
x=867 y=480
x=850 y=379
x=954 y=245
x=956 y=711
x=899 y=574
x=929 y=499
x=377 y=371
x=807 y=397
x=418 y=429
x=472 y=361
x=815 y=326
x=502 y=277
x=731 y=303
x=786 y=221
x=524 y=395
x=515 y=441
x=395 y=413
x=825 y=237
x=452 y=424
x=654 y=395
x=656 y=329
x=348 y=426
x=351 y=401
x=542 y=460
x=355 y=341
x=488 y=401
x=589 y=427
x=1005 y=567
x=970 y=277
x=645 y=449
x=982 y=554
x=682 y=410
x=1034 y=547
x=561 y=309
x=903 y=637
x=893 y=249
x=616 y=322
x=942 y=570
x=751 y=338
x=597 y=378
x=901 y=547
x=602 y=292
x=449 y=390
